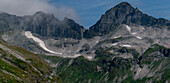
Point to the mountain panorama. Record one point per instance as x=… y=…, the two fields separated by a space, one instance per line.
x=124 y=46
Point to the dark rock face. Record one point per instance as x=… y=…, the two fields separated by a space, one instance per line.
x=43 y=24
x=47 y=25
x=165 y=52
x=8 y=22
x=123 y=13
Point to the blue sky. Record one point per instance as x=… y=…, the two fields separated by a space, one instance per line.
x=90 y=11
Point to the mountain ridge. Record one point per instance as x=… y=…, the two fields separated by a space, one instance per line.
x=43 y=24
x=46 y=27
x=123 y=13
x=124 y=46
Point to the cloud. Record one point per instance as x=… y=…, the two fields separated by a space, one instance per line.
x=29 y=7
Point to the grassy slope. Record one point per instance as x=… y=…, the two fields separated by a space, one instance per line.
x=24 y=70
x=82 y=70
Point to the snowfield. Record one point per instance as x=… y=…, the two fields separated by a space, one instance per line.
x=28 y=34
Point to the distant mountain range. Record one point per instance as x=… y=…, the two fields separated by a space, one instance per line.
x=47 y=25
x=125 y=45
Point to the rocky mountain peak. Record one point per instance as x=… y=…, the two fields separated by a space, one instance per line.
x=47 y=25
x=43 y=16
x=123 y=13
x=40 y=13
x=119 y=13
x=123 y=5
x=67 y=20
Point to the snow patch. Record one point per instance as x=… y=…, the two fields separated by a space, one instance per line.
x=143 y=28
x=114 y=44
x=97 y=41
x=126 y=46
x=28 y=34
x=134 y=33
x=117 y=37
x=89 y=57
x=75 y=56
x=128 y=28
x=138 y=37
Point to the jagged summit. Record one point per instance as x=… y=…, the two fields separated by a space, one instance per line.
x=119 y=13
x=67 y=20
x=123 y=13
x=123 y=7
x=40 y=12
x=42 y=15
x=123 y=4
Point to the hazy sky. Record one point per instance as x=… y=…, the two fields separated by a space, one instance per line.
x=85 y=12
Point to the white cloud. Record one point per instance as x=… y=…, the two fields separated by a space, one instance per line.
x=29 y=7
